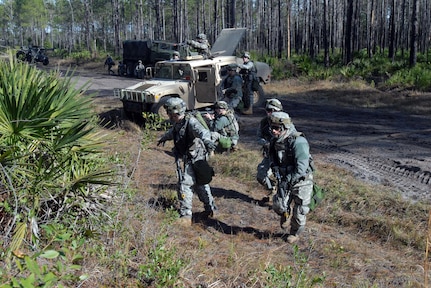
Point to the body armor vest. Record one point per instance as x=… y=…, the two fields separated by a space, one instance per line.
x=181 y=141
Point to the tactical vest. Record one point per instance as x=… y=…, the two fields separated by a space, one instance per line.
x=289 y=156
x=287 y=147
x=233 y=128
x=182 y=140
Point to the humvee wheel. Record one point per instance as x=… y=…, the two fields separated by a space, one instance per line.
x=20 y=55
x=258 y=97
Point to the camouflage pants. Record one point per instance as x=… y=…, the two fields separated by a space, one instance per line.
x=300 y=196
x=185 y=193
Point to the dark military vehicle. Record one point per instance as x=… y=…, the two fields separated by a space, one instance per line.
x=149 y=52
x=32 y=54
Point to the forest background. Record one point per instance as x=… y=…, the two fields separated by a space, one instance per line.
x=330 y=31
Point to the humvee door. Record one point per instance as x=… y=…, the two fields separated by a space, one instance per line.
x=205 y=88
x=227 y=42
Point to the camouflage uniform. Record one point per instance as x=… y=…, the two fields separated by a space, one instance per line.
x=192 y=143
x=109 y=62
x=232 y=87
x=201 y=45
x=290 y=157
x=264 y=136
x=140 y=70
x=224 y=125
x=248 y=71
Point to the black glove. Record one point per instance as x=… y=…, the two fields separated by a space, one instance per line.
x=275 y=169
x=211 y=146
x=161 y=142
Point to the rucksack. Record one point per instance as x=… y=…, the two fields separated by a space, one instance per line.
x=233 y=121
x=199 y=117
x=317 y=196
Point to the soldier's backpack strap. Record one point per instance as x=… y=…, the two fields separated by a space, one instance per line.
x=198 y=117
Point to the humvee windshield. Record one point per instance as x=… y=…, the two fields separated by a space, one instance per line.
x=173 y=71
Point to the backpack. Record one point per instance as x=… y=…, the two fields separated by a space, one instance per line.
x=234 y=126
x=319 y=192
x=317 y=196
x=199 y=117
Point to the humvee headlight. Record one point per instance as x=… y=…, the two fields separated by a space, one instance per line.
x=150 y=98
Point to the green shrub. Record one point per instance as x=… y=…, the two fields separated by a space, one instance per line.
x=80 y=56
x=50 y=152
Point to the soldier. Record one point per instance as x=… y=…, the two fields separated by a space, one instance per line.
x=140 y=70
x=192 y=142
x=264 y=136
x=109 y=62
x=122 y=69
x=224 y=127
x=175 y=56
x=248 y=72
x=231 y=88
x=201 y=45
x=290 y=158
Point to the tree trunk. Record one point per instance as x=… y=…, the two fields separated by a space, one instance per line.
x=414 y=34
x=325 y=33
x=348 y=33
x=391 y=54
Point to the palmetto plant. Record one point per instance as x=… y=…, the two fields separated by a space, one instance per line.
x=51 y=169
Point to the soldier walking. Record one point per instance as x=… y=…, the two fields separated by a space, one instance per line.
x=192 y=144
x=109 y=62
x=290 y=158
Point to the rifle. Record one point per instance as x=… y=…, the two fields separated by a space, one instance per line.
x=179 y=170
x=284 y=190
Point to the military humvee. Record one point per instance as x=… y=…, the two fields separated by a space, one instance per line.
x=33 y=54
x=196 y=80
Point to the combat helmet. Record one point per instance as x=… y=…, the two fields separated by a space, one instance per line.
x=201 y=36
x=280 y=119
x=175 y=105
x=274 y=105
x=221 y=105
x=246 y=55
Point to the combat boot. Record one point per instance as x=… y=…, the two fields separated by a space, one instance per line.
x=208 y=214
x=283 y=220
x=292 y=238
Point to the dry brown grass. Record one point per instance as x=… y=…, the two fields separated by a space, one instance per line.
x=349 y=240
x=356 y=94
x=355 y=238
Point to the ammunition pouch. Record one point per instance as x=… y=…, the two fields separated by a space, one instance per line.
x=203 y=172
x=225 y=142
